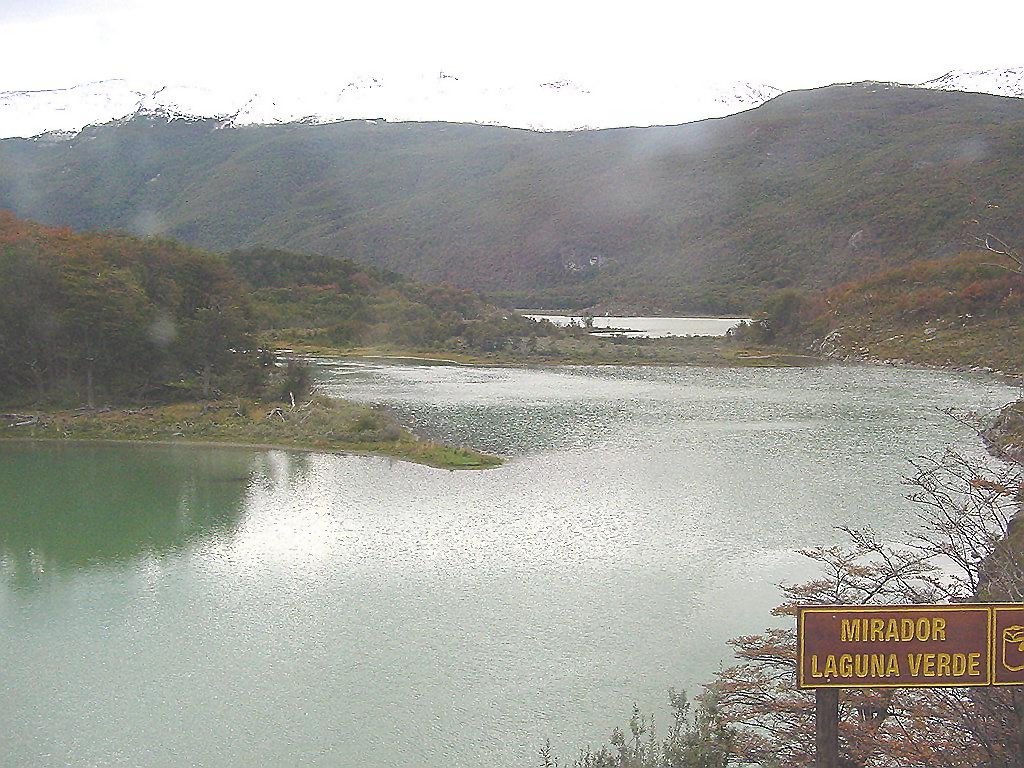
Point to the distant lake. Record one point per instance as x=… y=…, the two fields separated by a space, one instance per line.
x=652 y=327
x=168 y=606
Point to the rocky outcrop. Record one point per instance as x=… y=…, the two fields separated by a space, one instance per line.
x=1005 y=437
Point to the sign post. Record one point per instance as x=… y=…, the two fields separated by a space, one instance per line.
x=826 y=727
x=902 y=646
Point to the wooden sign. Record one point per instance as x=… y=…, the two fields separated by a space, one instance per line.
x=906 y=646
x=902 y=646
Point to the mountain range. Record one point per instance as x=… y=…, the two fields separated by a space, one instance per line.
x=552 y=105
x=556 y=104
x=806 y=190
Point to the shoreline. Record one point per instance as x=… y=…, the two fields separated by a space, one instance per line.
x=582 y=313
x=189 y=444
x=1013 y=378
x=801 y=361
x=681 y=351
x=220 y=444
x=773 y=360
x=323 y=425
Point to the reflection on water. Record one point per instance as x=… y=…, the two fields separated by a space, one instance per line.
x=68 y=506
x=235 y=608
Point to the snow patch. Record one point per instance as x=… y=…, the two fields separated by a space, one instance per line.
x=998 y=82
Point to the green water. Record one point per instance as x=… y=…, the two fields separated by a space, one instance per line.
x=166 y=606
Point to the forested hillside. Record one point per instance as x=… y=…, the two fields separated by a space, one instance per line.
x=808 y=190
x=337 y=302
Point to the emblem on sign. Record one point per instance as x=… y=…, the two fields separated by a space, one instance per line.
x=1013 y=648
x=1008 y=634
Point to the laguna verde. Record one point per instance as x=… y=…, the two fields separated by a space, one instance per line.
x=162 y=602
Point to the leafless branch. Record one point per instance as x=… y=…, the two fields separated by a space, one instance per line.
x=993 y=244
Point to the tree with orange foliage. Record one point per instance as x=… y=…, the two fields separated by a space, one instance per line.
x=94 y=315
x=968 y=549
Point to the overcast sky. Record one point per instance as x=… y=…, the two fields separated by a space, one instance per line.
x=56 y=43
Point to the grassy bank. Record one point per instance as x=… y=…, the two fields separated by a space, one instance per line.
x=993 y=345
x=322 y=424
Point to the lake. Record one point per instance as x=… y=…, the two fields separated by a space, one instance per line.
x=173 y=605
x=650 y=327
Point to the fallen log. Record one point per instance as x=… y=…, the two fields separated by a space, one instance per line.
x=19 y=419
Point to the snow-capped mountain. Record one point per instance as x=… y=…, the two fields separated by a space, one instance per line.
x=549 y=106
x=999 y=82
x=554 y=105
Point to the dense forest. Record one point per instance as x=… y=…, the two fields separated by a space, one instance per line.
x=809 y=190
x=90 y=316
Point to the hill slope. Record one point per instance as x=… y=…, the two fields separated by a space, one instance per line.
x=963 y=311
x=807 y=190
